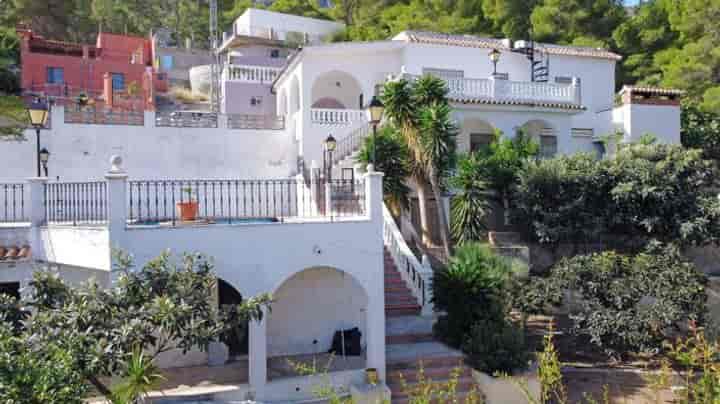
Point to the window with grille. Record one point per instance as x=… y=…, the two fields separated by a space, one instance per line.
x=564 y=80
x=55 y=75
x=256 y=101
x=480 y=141
x=275 y=53
x=548 y=146
x=118 y=81
x=582 y=132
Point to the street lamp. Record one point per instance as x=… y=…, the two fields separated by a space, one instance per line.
x=330 y=145
x=494 y=58
x=38 y=112
x=44 y=157
x=375 y=114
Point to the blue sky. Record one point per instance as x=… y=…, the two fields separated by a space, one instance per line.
x=631 y=2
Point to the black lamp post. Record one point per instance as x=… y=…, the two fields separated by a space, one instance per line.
x=494 y=58
x=38 y=112
x=375 y=113
x=44 y=157
x=330 y=145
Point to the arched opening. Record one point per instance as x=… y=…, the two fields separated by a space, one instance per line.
x=235 y=339
x=282 y=106
x=476 y=135
x=308 y=311
x=542 y=132
x=340 y=87
x=294 y=96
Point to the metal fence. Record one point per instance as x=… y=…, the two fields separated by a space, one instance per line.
x=153 y=202
x=13 y=200
x=105 y=117
x=76 y=203
x=187 y=119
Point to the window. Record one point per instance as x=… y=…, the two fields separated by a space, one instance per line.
x=548 y=146
x=480 y=141
x=255 y=101
x=566 y=80
x=118 y=81
x=444 y=74
x=275 y=53
x=582 y=132
x=55 y=75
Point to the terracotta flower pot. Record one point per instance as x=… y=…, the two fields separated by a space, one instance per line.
x=188 y=210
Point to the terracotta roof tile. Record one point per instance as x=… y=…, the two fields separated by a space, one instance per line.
x=651 y=90
x=14 y=253
x=480 y=42
x=537 y=104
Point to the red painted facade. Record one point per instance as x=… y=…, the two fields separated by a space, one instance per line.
x=85 y=66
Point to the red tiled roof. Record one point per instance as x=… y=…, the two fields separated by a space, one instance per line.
x=651 y=90
x=14 y=253
x=537 y=104
x=480 y=42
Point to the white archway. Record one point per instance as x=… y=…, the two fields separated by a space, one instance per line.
x=294 y=99
x=310 y=306
x=544 y=134
x=339 y=86
x=475 y=134
x=282 y=105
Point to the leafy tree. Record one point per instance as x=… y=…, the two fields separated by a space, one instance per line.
x=159 y=307
x=701 y=130
x=631 y=303
x=578 y=22
x=469 y=205
x=421 y=112
x=307 y=8
x=393 y=161
x=510 y=18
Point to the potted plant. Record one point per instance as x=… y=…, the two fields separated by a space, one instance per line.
x=188 y=210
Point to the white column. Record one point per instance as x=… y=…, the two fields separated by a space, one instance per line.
x=375 y=287
x=36 y=192
x=116 y=179
x=257 y=355
x=149 y=118
x=576 y=89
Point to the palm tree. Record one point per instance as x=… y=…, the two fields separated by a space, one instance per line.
x=421 y=112
x=470 y=204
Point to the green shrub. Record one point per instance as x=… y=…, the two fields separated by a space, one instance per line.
x=496 y=346
x=474 y=286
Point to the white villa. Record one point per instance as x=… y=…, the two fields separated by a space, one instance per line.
x=325 y=247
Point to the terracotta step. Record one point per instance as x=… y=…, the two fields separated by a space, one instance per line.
x=396 y=289
x=394 y=281
x=404 y=310
x=408 y=339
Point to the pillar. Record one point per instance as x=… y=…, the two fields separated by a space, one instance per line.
x=116 y=179
x=36 y=192
x=108 y=90
x=257 y=355
x=375 y=286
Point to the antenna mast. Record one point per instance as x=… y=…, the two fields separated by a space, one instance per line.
x=215 y=66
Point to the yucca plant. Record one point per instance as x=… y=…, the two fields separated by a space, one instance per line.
x=141 y=377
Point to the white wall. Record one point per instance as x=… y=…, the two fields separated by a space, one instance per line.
x=78 y=246
x=662 y=121
x=310 y=306
x=81 y=152
x=253 y=17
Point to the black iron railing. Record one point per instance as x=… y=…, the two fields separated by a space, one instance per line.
x=105 y=117
x=13 y=198
x=169 y=202
x=187 y=119
x=76 y=203
x=351 y=143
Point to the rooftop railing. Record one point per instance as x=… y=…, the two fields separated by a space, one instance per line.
x=250 y=74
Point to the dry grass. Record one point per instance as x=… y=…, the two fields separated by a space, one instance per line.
x=186 y=95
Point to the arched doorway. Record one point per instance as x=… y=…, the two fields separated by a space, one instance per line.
x=544 y=134
x=235 y=339
x=309 y=308
x=340 y=87
x=476 y=134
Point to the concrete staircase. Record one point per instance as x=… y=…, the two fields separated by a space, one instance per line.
x=410 y=343
x=399 y=300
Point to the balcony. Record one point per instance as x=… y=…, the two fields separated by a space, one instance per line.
x=336 y=116
x=250 y=74
x=512 y=92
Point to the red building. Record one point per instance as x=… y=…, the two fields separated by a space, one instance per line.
x=66 y=69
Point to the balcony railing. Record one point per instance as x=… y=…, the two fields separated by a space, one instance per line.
x=507 y=90
x=250 y=74
x=105 y=117
x=76 y=203
x=187 y=119
x=245 y=121
x=351 y=143
x=330 y=116
x=155 y=202
x=12 y=203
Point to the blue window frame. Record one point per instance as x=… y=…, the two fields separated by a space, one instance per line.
x=118 y=81
x=55 y=75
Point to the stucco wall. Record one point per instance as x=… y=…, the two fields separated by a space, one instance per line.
x=81 y=152
x=237 y=97
x=86 y=247
x=310 y=307
x=282 y=23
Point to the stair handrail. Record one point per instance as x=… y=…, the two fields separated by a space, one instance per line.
x=350 y=143
x=417 y=275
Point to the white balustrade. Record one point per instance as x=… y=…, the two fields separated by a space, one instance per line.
x=332 y=116
x=500 y=89
x=418 y=276
x=250 y=74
